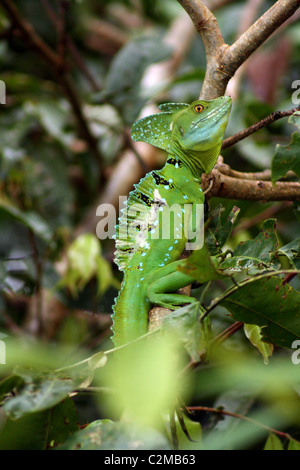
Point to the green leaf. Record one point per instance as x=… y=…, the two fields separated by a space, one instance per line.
x=255 y=255
x=143 y=395
x=263 y=247
x=27 y=433
x=84 y=262
x=295 y=119
x=253 y=333
x=8 y=384
x=286 y=158
x=293 y=445
x=273 y=443
x=31 y=219
x=41 y=391
x=123 y=81
x=292 y=252
x=41 y=430
x=107 y=435
x=53 y=117
x=268 y=303
x=184 y=324
x=105 y=276
x=218 y=232
x=62 y=422
x=247 y=264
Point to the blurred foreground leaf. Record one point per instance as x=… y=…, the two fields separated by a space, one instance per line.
x=143 y=376
x=273 y=443
x=108 y=435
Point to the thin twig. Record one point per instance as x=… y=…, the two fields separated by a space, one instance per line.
x=245 y=418
x=258 y=125
x=38 y=283
x=228 y=332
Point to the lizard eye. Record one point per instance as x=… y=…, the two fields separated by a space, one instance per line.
x=199 y=108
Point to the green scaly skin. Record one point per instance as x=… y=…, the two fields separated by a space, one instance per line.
x=192 y=135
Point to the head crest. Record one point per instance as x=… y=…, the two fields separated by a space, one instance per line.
x=156 y=129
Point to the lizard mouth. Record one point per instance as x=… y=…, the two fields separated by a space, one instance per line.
x=215 y=113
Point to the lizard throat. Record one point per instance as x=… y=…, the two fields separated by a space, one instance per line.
x=198 y=162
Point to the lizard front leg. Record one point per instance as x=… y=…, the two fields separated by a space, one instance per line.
x=165 y=282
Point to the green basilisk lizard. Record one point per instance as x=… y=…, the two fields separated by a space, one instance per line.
x=192 y=135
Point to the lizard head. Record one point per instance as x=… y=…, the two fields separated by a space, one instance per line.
x=193 y=132
x=198 y=131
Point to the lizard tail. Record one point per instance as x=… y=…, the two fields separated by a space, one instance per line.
x=130 y=313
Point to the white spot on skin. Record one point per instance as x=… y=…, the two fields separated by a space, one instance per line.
x=156 y=196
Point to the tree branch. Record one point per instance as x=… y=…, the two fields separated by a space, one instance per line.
x=206 y=24
x=223 y=60
x=249 y=41
x=251 y=190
